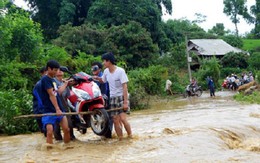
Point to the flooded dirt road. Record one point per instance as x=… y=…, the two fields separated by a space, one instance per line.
x=184 y=130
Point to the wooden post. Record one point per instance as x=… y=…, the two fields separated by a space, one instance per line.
x=187 y=53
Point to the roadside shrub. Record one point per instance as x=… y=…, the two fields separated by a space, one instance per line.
x=253 y=98
x=225 y=71
x=235 y=60
x=14 y=103
x=254 y=61
x=209 y=67
x=144 y=82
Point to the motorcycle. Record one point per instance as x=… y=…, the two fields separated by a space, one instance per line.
x=85 y=95
x=197 y=91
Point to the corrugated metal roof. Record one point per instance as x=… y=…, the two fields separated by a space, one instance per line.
x=211 y=47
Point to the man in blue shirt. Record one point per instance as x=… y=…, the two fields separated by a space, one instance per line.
x=52 y=103
x=37 y=102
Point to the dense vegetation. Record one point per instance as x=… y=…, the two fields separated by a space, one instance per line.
x=77 y=32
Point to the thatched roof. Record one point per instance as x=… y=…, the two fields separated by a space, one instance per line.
x=210 y=47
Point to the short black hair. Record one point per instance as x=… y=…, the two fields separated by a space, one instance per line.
x=109 y=57
x=43 y=69
x=100 y=66
x=52 y=64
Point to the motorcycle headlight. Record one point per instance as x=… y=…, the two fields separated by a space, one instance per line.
x=81 y=94
x=96 y=90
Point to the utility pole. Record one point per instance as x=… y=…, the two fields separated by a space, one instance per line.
x=188 y=57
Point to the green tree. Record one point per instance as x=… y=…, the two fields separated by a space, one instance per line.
x=52 y=13
x=233 y=41
x=236 y=60
x=209 y=67
x=218 y=29
x=234 y=9
x=132 y=44
x=85 y=38
x=254 y=61
x=20 y=37
x=118 y=12
x=255 y=10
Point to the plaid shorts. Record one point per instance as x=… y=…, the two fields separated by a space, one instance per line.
x=117 y=102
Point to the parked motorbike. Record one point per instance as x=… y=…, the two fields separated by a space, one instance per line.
x=197 y=91
x=85 y=95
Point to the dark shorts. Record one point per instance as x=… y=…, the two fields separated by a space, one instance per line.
x=51 y=120
x=117 y=102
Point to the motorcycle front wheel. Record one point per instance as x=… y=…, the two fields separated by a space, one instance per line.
x=198 y=92
x=185 y=94
x=99 y=121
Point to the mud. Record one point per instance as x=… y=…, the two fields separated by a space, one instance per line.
x=193 y=130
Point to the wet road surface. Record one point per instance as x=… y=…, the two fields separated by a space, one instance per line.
x=183 y=130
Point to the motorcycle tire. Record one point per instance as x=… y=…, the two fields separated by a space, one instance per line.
x=199 y=92
x=185 y=94
x=99 y=121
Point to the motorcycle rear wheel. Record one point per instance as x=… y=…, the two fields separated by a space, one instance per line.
x=185 y=94
x=99 y=121
x=199 y=92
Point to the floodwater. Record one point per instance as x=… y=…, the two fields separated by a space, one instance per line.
x=192 y=130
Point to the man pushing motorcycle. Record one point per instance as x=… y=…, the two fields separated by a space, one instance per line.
x=117 y=80
x=52 y=103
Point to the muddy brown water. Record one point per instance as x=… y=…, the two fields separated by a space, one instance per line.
x=183 y=130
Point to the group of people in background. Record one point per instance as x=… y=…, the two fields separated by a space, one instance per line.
x=233 y=81
x=51 y=87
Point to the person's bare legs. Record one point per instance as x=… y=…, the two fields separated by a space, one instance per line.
x=49 y=134
x=118 y=127
x=123 y=118
x=66 y=130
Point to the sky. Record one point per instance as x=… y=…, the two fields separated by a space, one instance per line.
x=213 y=9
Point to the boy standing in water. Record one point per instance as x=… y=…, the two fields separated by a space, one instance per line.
x=117 y=80
x=52 y=103
x=211 y=87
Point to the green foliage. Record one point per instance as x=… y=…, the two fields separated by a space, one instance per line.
x=25 y=75
x=254 y=61
x=177 y=29
x=117 y=12
x=225 y=71
x=56 y=53
x=257 y=76
x=218 y=29
x=21 y=38
x=234 y=9
x=251 y=45
x=85 y=38
x=255 y=10
x=238 y=60
x=209 y=67
x=152 y=79
x=175 y=58
x=131 y=43
x=253 y=98
x=233 y=41
x=14 y=103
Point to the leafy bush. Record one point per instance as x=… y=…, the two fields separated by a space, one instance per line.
x=235 y=60
x=14 y=103
x=253 y=98
x=208 y=68
x=254 y=61
x=233 y=41
x=16 y=75
x=225 y=71
x=146 y=81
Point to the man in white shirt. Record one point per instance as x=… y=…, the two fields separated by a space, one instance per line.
x=117 y=80
x=168 y=87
